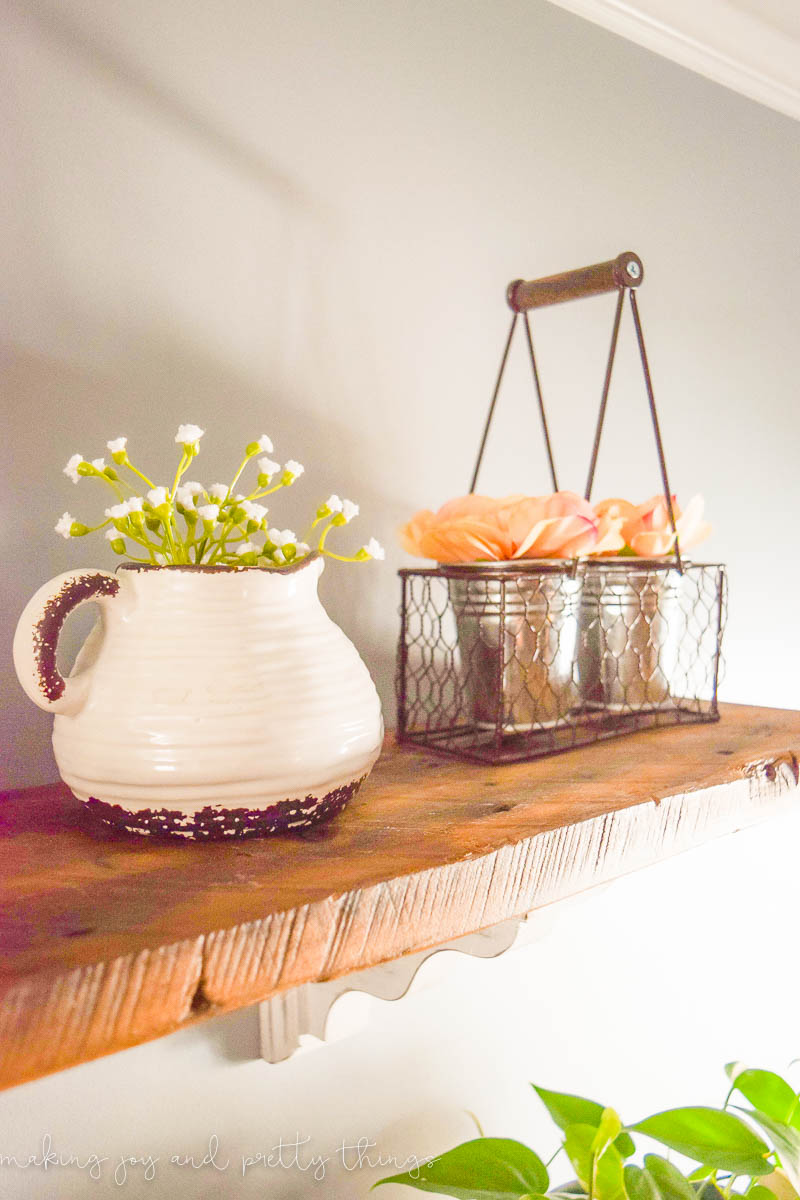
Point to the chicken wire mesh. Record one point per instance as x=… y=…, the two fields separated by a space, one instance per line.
x=508 y=661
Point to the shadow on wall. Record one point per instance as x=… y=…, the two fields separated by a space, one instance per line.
x=169 y=106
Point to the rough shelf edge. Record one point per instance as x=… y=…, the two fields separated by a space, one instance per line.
x=49 y=1023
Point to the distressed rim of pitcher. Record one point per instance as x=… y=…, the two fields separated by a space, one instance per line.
x=224 y=568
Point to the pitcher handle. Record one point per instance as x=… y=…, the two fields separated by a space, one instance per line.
x=38 y=630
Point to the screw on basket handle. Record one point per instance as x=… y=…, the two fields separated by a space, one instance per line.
x=621 y=274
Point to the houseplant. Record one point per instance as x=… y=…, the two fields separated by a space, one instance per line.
x=748 y=1147
x=214 y=697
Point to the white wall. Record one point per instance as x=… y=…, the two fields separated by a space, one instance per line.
x=300 y=219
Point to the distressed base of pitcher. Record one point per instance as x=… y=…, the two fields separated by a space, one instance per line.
x=215 y=823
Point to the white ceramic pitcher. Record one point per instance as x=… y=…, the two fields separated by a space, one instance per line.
x=206 y=701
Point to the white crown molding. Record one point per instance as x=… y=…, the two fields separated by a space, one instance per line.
x=737 y=43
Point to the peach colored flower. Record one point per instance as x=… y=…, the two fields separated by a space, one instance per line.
x=472 y=528
x=646 y=528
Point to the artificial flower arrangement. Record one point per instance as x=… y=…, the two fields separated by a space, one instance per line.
x=562 y=525
x=190 y=524
x=734 y=1151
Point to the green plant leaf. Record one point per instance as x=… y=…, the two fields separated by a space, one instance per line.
x=769 y=1093
x=567 y=1110
x=671 y=1183
x=785 y=1139
x=608 y=1183
x=699 y=1173
x=639 y=1183
x=607 y=1131
x=711 y=1137
x=483 y=1169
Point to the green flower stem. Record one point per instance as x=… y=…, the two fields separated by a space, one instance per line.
x=340 y=557
x=259 y=493
x=127 y=463
x=112 y=484
x=183 y=466
x=219 y=549
x=168 y=538
x=235 y=479
x=321 y=544
x=142 y=540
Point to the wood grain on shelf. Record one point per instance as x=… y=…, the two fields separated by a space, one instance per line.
x=106 y=942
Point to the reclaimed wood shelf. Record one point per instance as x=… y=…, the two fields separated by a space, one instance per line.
x=107 y=941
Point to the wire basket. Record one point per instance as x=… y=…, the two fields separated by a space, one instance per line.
x=505 y=661
x=510 y=662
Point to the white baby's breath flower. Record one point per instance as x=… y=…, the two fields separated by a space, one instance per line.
x=117 y=446
x=193 y=488
x=293 y=468
x=64 y=523
x=265 y=445
x=157 y=496
x=302 y=548
x=248 y=548
x=99 y=464
x=282 y=537
x=111 y=535
x=219 y=491
x=333 y=504
x=188 y=435
x=135 y=504
x=374 y=549
x=208 y=512
x=349 y=510
x=71 y=469
x=278 y=556
x=253 y=512
x=118 y=512
x=267 y=467
x=185 y=496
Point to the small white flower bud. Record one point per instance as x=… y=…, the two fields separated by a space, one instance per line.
x=267 y=467
x=208 y=513
x=219 y=491
x=157 y=496
x=64 y=525
x=71 y=469
x=185 y=497
x=253 y=512
x=189 y=435
x=292 y=470
x=262 y=446
x=374 y=549
x=117 y=446
x=349 y=510
x=282 y=537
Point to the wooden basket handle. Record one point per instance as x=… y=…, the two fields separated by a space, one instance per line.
x=626 y=270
